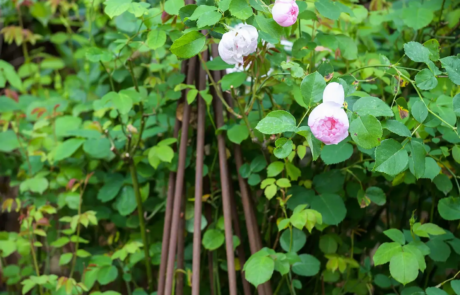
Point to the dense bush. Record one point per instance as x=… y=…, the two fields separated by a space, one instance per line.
x=94 y=94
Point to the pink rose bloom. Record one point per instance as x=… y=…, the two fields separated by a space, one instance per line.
x=285 y=12
x=238 y=43
x=328 y=121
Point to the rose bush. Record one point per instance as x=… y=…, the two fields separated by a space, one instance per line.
x=229 y=147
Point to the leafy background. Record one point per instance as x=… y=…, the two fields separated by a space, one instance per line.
x=90 y=94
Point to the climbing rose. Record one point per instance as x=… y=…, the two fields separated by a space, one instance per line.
x=328 y=121
x=239 y=42
x=285 y=12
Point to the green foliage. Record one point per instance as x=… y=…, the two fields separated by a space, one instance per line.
x=91 y=91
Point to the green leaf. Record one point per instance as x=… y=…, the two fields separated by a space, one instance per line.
x=138 y=9
x=8 y=72
x=283 y=147
x=376 y=195
x=97 y=148
x=404 y=267
x=299 y=238
x=455 y=286
x=67 y=148
x=208 y=19
x=419 y=111
x=331 y=207
x=307 y=267
x=371 y=105
x=270 y=27
x=259 y=269
x=336 y=153
x=328 y=9
x=432 y=168
x=107 y=274
x=110 y=188
x=328 y=244
x=299 y=219
x=164 y=153
x=126 y=201
x=277 y=122
x=366 y=131
x=65 y=258
x=201 y=10
x=313 y=142
x=427 y=229
x=282 y=266
x=116 y=7
x=270 y=191
x=240 y=9
x=452 y=66
x=385 y=252
x=418 y=255
x=439 y=250
x=42 y=12
x=417 y=17
x=156 y=39
x=433 y=47
x=213 y=239
x=36 y=185
x=347 y=46
x=62 y=241
x=258 y=164
x=94 y=54
x=173 y=6
x=397 y=128
x=418 y=158
x=417 y=52
x=443 y=183
x=237 y=133
x=65 y=124
x=275 y=168
x=235 y=79
x=9 y=141
x=456 y=153
x=217 y=64
x=425 y=80
x=456 y=104
x=395 y=235
x=188 y=45
x=312 y=88
x=390 y=157
x=122 y=102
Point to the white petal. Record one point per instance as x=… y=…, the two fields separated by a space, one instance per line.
x=334 y=93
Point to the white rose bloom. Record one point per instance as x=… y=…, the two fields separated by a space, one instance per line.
x=239 y=42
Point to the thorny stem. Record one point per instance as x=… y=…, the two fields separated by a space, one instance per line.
x=140 y=212
x=217 y=88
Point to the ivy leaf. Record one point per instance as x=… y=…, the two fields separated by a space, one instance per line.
x=404 y=267
x=452 y=66
x=366 y=131
x=331 y=207
x=173 y=6
x=312 y=88
x=240 y=9
x=390 y=157
x=395 y=235
x=277 y=122
x=116 y=7
x=426 y=80
x=417 y=52
x=188 y=45
x=259 y=269
x=336 y=153
x=371 y=105
x=213 y=239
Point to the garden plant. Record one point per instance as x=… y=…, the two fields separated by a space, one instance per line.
x=214 y=147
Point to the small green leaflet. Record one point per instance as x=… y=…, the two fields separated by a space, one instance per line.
x=426 y=80
x=366 y=131
x=116 y=7
x=417 y=52
x=371 y=105
x=277 y=122
x=188 y=45
x=390 y=157
x=312 y=88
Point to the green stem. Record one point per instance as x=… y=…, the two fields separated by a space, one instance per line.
x=34 y=256
x=110 y=75
x=140 y=212
x=74 y=258
x=284 y=278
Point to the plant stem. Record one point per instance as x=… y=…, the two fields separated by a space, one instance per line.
x=217 y=88
x=110 y=75
x=140 y=212
x=74 y=258
x=280 y=284
x=34 y=256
